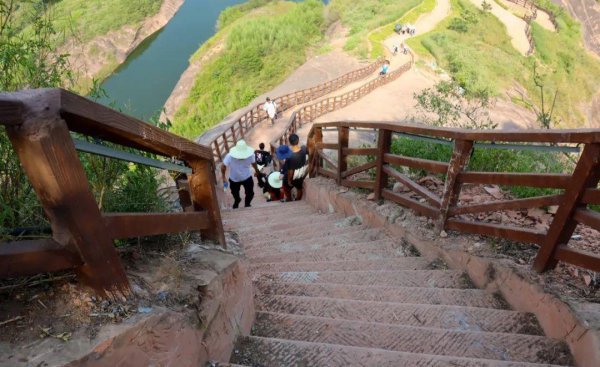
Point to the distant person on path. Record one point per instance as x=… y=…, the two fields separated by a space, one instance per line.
x=395 y=50
x=240 y=160
x=385 y=67
x=271 y=108
x=294 y=168
x=404 y=48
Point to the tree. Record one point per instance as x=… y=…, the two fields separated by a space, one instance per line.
x=448 y=104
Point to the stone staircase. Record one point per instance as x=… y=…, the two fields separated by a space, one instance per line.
x=333 y=292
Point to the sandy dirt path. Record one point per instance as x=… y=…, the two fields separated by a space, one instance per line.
x=515 y=26
x=426 y=23
x=542 y=17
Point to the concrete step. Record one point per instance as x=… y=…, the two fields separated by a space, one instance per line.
x=272 y=352
x=400 y=263
x=291 y=245
x=394 y=278
x=318 y=231
x=376 y=250
x=482 y=345
x=266 y=226
x=459 y=318
x=414 y=295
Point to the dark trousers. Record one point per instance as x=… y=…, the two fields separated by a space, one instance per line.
x=248 y=190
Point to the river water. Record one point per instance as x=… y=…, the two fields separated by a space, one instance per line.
x=142 y=84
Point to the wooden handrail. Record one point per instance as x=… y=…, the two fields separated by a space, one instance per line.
x=580 y=186
x=39 y=125
x=255 y=115
x=312 y=111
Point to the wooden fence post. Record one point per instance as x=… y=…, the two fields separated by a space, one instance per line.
x=586 y=175
x=47 y=153
x=460 y=159
x=316 y=160
x=343 y=138
x=384 y=142
x=203 y=185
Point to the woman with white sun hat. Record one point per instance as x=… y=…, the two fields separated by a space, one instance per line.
x=240 y=160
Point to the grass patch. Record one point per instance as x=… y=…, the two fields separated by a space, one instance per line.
x=86 y=19
x=363 y=16
x=260 y=50
x=378 y=37
x=474 y=48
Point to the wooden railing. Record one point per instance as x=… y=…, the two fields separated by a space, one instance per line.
x=38 y=123
x=309 y=113
x=222 y=143
x=579 y=187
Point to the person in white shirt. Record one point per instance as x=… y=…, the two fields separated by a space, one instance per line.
x=271 y=108
x=240 y=160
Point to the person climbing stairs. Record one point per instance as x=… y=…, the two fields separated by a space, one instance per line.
x=330 y=291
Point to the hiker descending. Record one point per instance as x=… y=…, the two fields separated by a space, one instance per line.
x=404 y=48
x=271 y=108
x=273 y=187
x=263 y=158
x=240 y=160
x=395 y=50
x=385 y=67
x=294 y=168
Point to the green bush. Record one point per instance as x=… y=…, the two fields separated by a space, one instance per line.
x=489 y=160
x=260 y=51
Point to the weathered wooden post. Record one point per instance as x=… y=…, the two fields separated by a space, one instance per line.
x=460 y=159
x=343 y=138
x=586 y=175
x=384 y=142
x=48 y=156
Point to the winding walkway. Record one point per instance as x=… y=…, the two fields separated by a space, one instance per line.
x=426 y=23
x=515 y=26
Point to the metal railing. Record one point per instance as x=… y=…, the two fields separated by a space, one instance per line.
x=39 y=124
x=579 y=187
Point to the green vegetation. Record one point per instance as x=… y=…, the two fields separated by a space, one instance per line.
x=474 y=48
x=363 y=16
x=86 y=19
x=377 y=37
x=259 y=50
x=28 y=62
x=233 y=13
x=490 y=160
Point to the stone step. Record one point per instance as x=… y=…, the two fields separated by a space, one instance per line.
x=306 y=232
x=300 y=212
x=264 y=211
x=414 y=295
x=470 y=344
x=394 y=278
x=331 y=229
x=400 y=263
x=376 y=250
x=291 y=245
x=459 y=318
x=272 y=352
x=283 y=223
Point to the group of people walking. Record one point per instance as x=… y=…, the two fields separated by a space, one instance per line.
x=285 y=184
